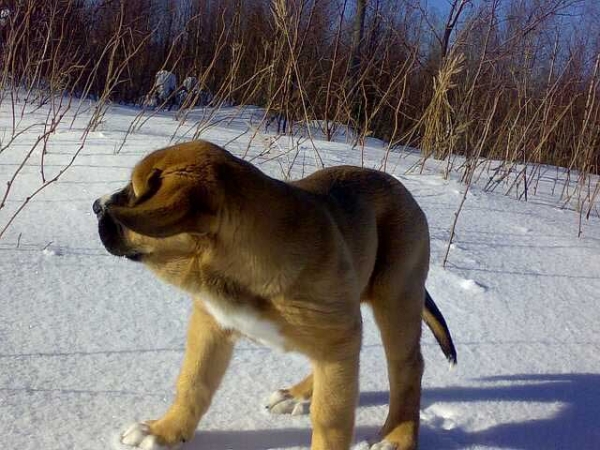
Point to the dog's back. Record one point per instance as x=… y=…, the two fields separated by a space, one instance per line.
x=372 y=208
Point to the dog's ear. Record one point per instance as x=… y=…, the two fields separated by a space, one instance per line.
x=163 y=207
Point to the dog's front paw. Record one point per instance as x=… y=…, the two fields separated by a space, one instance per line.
x=282 y=402
x=140 y=436
x=383 y=445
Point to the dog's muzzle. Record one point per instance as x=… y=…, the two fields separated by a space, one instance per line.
x=111 y=232
x=99 y=206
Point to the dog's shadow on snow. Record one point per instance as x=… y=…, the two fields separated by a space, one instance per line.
x=576 y=425
x=261 y=439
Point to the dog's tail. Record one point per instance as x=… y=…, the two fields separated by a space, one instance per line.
x=437 y=324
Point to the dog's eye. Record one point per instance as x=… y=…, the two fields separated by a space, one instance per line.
x=130 y=194
x=122 y=197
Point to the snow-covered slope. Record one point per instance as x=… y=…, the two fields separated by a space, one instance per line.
x=90 y=342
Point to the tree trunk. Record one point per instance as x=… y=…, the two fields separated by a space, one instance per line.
x=357 y=38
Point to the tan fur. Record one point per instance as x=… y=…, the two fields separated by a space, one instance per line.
x=300 y=256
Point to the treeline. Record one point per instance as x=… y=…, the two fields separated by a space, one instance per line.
x=513 y=80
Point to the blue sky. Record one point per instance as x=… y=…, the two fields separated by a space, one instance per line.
x=444 y=5
x=441 y=5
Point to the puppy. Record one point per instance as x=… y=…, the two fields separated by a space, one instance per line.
x=287 y=265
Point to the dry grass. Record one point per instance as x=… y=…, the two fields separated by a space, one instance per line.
x=499 y=91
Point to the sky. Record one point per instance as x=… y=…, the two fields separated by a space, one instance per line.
x=441 y=5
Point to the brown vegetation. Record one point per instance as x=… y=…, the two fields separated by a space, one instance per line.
x=510 y=84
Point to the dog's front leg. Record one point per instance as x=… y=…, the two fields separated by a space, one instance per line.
x=207 y=355
x=334 y=401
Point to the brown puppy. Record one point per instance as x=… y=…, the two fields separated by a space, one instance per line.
x=287 y=264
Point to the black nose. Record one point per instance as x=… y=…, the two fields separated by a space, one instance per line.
x=97 y=207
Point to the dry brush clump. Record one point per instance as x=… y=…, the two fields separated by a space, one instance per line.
x=524 y=63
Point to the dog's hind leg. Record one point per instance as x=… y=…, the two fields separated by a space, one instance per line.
x=207 y=355
x=294 y=400
x=399 y=320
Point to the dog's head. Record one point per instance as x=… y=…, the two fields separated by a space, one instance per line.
x=170 y=204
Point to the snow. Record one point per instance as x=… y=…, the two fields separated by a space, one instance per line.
x=165 y=83
x=4 y=18
x=190 y=84
x=90 y=343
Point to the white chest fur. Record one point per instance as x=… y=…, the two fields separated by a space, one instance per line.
x=245 y=320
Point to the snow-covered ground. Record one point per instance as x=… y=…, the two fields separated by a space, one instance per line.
x=90 y=343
